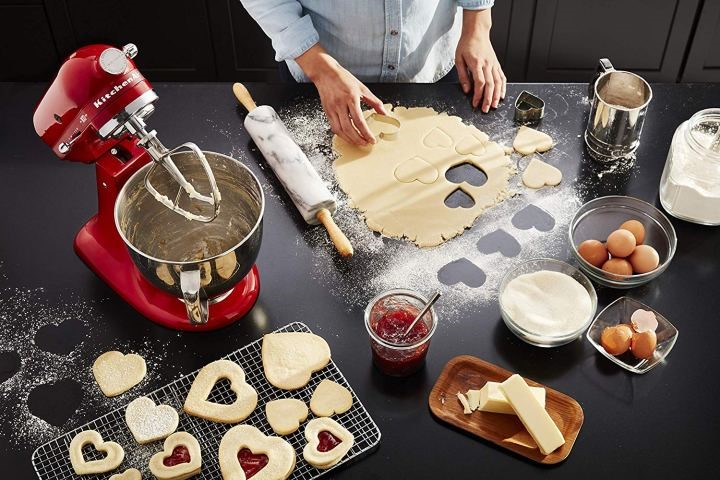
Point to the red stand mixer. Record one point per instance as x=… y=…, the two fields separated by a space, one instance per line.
x=181 y=258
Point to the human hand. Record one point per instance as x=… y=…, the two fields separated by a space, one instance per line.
x=341 y=95
x=478 y=68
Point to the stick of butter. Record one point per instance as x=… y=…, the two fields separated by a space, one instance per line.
x=492 y=399
x=533 y=416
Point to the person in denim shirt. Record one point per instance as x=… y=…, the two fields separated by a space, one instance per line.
x=339 y=44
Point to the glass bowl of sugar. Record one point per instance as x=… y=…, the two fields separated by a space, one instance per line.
x=547 y=302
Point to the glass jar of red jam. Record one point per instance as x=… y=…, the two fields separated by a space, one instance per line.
x=387 y=317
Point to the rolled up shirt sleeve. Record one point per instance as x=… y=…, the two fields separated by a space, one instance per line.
x=476 y=4
x=291 y=32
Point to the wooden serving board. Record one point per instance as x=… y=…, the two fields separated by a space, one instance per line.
x=466 y=372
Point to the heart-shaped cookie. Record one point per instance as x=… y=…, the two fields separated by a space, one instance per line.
x=113 y=458
x=528 y=141
x=245 y=451
x=285 y=415
x=330 y=398
x=289 y=359
x=148 y=422
x=129 y=474
x=328 y=442
x=179 y=459
x=197 y=403
x=116 y=373
x=471 y=145
x=383 y=126
x=538 y=174
x=416 y=169
x=437 y=138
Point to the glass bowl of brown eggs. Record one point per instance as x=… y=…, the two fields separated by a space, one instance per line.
x=621 y=242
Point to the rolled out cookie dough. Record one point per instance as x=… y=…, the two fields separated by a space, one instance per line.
x=399 y=183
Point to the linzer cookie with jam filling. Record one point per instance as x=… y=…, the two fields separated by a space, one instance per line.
x=328 y=442
x=246 y=452
x=179 y=460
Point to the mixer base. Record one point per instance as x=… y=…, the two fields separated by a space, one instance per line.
x=104 y=252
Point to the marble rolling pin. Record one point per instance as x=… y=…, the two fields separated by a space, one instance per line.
x=292 y=167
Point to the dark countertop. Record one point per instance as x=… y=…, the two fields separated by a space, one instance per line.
x=660 y=425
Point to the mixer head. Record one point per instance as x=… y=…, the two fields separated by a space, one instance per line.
x=100 y=99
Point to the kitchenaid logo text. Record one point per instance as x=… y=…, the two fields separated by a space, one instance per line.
x=134 y=76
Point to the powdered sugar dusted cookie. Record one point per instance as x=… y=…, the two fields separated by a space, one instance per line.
x=328 y=442
x=289 y=359
x=149 y=422
x=198 y=405
x=180 y=458
x=330 y=398
x=114 y=453
x=116 y=373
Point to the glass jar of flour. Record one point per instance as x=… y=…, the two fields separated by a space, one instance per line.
x=690 y=184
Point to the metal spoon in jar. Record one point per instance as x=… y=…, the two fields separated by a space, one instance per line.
x=425 y=309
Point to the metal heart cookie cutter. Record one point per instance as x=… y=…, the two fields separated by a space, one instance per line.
x=529 y=108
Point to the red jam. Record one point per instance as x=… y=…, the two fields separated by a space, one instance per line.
x=389 y=319
x=180 y=454
x=251 y=463
x=328 y=441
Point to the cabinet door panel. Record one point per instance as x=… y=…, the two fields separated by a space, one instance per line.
x=703 y=63
x=28 y=50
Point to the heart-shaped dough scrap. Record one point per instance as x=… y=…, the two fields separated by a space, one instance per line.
x=116 y=373
x=129 y=474
x=328 y=442
x=148 y=422
x=538 y=174
x=528 y=141
x=246 y=443
x=113 y=458
x=198 y=405
x=289 y=359
x=416 y=169
x=179 y=459
x=330 y=398
x=285 y=415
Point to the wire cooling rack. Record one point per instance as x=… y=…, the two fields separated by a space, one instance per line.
x=51 y=460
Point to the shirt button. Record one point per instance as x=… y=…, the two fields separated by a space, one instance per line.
x=393 y=32
x=391 y=67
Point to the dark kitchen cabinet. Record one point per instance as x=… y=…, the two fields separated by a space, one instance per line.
x=703 y=61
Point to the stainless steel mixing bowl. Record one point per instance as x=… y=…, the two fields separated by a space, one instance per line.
x=197 y=262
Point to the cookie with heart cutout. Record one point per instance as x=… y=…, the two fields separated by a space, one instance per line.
x=330 y=398
x=149 y=422
x=289 y=359
x=114 y=453
x=179 y=459
x=117 y=373
x=198 y=405
x=285 y=415
x=129 y=474
x=246 y=452
x=328 y=442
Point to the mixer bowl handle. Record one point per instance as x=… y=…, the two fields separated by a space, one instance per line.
x=196 y=307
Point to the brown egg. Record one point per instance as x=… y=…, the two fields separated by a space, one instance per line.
x=644 y=259
x=643 y=344
x=618 y=266
x=616 y=340
x=621 y=243
x=593 y=252
x=636 y=228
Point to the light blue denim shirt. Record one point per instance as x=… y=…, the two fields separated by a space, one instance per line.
x=377 y=40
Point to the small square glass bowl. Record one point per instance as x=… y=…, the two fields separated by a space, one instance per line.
x=620 y=311
x=600 y=217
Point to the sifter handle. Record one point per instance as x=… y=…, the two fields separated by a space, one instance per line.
x=244 y=97
x=342 y=244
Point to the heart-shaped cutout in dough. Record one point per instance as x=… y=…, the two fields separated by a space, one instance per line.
x=285 y=415
x=116 y=373
x=528 y=141
x=383 y=126
x=148 y=422
x=197 y=402
x=437 y=138
x=321 y=453
x=113 y=458
x=241 y=455
x=129 y=474
x=330 y=398
x=538 y=174
x=179 y=459
x=472 y=145
x=289 y=359
x=416 y=169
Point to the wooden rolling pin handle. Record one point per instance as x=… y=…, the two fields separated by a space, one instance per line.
x=244 y=97
x=342 y=244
